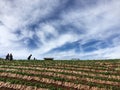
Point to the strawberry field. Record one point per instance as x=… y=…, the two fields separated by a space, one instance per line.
x=60 y=75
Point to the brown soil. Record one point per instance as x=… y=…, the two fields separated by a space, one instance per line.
x=4 y=88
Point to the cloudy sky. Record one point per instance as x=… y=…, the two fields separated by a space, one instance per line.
x=63 y=29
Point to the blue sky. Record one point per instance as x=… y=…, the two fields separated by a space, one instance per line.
x=63 y=29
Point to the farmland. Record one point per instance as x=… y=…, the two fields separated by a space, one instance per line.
x=60 y=75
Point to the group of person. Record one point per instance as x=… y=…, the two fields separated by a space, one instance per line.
x=29 y=57
x=9 y=57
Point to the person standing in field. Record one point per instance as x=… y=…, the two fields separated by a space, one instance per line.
x=34 y=58
x=7 y=56
x=29 y=57
x=11 y=57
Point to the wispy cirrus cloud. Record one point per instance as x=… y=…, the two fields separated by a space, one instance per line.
x=62 y=29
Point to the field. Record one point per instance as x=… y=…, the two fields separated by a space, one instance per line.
x=60 y=75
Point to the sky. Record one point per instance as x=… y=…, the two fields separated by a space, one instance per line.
x=63 y=29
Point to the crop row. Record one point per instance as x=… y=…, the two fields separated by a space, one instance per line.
x=62 y=63
x=98 y=76
x=50 y=81
x=98 y=69
x=64 y=78
x=8 y=85
x=86 y=72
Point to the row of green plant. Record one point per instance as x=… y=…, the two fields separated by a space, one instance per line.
x=116 y=73
x=74 y=81
x=58 y=62
x=31 y=83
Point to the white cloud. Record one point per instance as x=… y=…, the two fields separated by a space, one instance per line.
x=100 y=22
x=57 y=42
x=97 y=21
x=18 y=13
